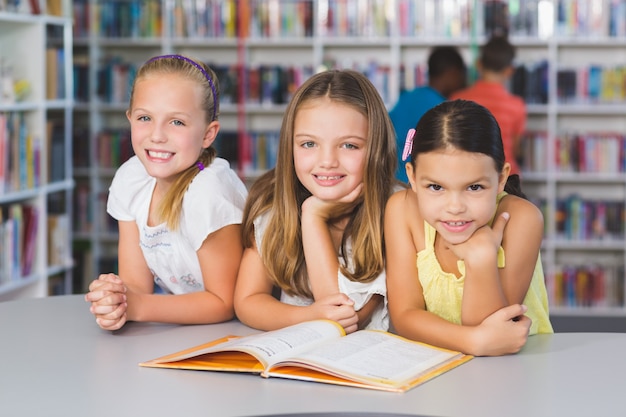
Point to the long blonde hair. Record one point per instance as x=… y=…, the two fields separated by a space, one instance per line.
x=170 y=208
x=280 y=194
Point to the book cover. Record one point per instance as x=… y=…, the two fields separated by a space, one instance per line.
x=58 y=226
x=16 y=218
x=56 y=147
x=52 y=73
x=566 y=85
x=54 y=7
x=35 y=7
x=29 y=244
x=8 y=248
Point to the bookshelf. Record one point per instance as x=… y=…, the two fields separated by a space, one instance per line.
x=35 y=147
x=579 y=178
x=281 y=42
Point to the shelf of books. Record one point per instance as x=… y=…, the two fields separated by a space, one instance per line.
x=575 y=163
x=569 y=70
x=35 y=168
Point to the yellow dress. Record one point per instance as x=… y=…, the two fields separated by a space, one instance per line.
x=443 y=291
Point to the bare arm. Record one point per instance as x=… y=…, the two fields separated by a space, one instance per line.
x=132 y=265
x=322 y=261
x=521 y=242
x=496 y=335
x=130 y=296
x=323 y=265
x=482 y=288
x=109 y=294
x=256 y=307
x=488 y=288
x=320 y=250
x=219 y=258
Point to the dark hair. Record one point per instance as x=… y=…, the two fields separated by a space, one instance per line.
x=497 y=54
x=466 y=126
x=443 y=58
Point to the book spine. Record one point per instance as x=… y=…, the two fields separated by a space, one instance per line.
x=133 y=19
x=23 y=155
x=586 y=285
x=31 y=220
x=589 y=219
x=56 y=162
x=591 y=152
x=3 y=250
x=115 y=78
x=58 y=228
x=18 y=153
x=4 y=155
x=16 y=217
x=8 y=232
x=80 y=14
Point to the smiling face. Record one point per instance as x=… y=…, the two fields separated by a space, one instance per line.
x=456 y=191
x=329 y=148
x=168 y=125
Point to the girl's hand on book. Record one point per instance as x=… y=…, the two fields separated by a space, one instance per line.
x=503 y=332
x=107 y=296
x=340 y=308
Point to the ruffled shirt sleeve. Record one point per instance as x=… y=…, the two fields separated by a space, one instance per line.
x=215 y=199
x=130 y=191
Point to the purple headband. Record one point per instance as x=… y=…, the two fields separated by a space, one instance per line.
x=195 y=64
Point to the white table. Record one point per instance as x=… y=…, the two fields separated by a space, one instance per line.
x=55 y=361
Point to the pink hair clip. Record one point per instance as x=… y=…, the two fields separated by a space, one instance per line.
x=200 y=165
x=408 y=144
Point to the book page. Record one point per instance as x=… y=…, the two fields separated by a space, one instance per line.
x=373 y=357
x=274 y=346
x=266 y=348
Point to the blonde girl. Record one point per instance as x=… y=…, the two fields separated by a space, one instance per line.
x=178 y=206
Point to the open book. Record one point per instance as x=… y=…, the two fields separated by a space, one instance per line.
x=320 y=351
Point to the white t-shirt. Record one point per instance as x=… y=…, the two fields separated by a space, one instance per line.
x=358 y=292
x=215 y=199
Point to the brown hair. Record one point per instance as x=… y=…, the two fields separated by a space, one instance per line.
x=280 y=194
